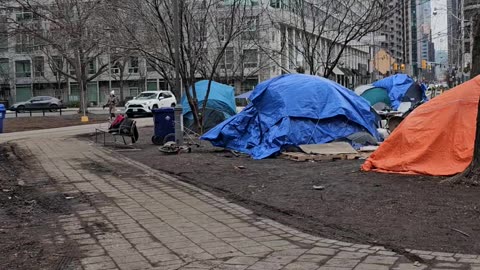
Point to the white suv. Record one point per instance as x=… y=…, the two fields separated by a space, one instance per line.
x=149 y=100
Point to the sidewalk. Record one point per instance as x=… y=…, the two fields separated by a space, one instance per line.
x=65 y=131
x=140 y=218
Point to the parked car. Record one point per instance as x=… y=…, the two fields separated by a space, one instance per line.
x=38 y=103
x=146 y=101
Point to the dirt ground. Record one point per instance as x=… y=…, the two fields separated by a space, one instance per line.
x=36 y=123
x=29 y=207
x=399 y=212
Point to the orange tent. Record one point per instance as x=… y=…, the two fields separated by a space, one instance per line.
x=435 y=139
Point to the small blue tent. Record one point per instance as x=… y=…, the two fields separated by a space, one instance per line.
x=220 y=104
x=291 y=110
x=401 y=88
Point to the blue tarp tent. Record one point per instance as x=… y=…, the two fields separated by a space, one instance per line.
x=220 y=104
x=401 y=88
x=291 y=110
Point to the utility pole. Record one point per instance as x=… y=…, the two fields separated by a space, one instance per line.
x=177 y=91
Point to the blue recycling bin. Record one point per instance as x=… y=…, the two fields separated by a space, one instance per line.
x=3 y=113
x=164 y=125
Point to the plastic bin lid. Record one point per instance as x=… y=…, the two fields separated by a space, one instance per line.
x=163 y=110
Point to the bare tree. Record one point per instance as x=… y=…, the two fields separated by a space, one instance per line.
x=208 y=28
x=67 y=28
x=476 y=46
x=316 y=34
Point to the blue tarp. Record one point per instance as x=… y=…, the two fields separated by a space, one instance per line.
x=221 y=100
x=291 y=110
x=397 y=86
x=244 y=95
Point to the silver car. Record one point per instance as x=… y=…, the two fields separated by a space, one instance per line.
x=38 y=103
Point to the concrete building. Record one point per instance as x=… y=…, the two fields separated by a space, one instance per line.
x=394 y=31
x=25 y=71
x=460 y=15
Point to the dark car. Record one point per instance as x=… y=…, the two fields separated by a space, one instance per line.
x=38 y=103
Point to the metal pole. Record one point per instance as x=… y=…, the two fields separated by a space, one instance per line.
x=177 y=90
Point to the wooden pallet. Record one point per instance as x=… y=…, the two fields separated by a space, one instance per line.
x=298 y=156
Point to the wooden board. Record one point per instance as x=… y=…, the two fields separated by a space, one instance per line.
x=332 y=148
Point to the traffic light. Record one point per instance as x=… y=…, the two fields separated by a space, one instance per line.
x=402 y=67
x=424 y=64
x=395 y=66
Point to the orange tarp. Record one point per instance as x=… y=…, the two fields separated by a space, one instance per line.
x=437 y=138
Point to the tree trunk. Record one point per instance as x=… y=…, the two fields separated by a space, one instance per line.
x=476 y=47
x=471 y=175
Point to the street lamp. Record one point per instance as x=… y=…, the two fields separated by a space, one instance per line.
x=178 y=90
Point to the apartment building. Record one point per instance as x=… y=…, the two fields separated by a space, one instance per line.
x=26 y=71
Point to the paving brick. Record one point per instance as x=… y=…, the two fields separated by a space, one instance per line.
x=366 y=266
x=266 y=266
x=342 y=262
x=322 y=251
x=313 y=258
x=301 y=266
x=242 y=260
x=449 y=265
x=380 y=260
x=409 y=266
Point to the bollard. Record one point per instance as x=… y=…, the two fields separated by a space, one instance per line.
x=178 y=125
x=3 y=112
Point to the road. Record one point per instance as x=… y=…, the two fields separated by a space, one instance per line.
x=68 y=111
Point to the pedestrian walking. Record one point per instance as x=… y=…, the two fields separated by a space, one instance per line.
x=112 y=102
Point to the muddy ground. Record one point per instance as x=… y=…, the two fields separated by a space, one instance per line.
x=400 y=212
x=30 y=236
x=44 y=122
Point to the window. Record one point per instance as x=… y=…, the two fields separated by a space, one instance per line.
x=227 y=61
x=3 y=34
x=92 y=67
x=57 y=65
x=72 y=70
x=250 y=32
x=24 y=15
x=4 y=68
x=23 y=69
x=151 y=65
x=38 y=66
x=133 y=65
x=250 y=58
x=24 y=43
x=114 y=64
x=133 y=91
x=152 y=85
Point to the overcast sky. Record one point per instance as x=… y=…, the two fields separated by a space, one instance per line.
x=439 y=25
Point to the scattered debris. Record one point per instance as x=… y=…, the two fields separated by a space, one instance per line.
x=173 y=148
x=461 y=232
x=21 y=183
x=319 y=187
x=239 y=167
x=307 y=157
x=417 y=264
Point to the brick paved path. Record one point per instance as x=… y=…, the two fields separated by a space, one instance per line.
x=134 y=217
